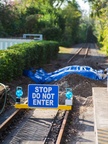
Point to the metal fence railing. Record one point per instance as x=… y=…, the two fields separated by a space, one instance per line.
x=5 y=43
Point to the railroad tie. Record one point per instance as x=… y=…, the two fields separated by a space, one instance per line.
x=102 y=136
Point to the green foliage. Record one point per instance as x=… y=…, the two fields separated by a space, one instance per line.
x=52 y=34
x=31 y=23
x=72 y=17
x=99 y=14
x=90 y=36
x=41 y=16
x=82 y=32
x=23 y=56
x=2 y=31
x=104 y=40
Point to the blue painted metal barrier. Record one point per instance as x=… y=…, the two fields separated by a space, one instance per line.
x=41 y=76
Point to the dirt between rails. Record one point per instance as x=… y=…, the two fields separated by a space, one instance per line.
x=81 y=87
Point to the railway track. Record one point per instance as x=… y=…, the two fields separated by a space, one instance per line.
x=84 y=52
x=10 y=122
x=19 y=112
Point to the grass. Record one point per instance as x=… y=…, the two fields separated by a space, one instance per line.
x=65 y=50
x=103 y=51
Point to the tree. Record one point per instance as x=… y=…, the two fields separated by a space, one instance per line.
x=100 y=14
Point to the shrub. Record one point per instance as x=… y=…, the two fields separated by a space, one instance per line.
x=23 y=56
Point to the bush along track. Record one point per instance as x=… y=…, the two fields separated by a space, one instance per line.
x=23 y=56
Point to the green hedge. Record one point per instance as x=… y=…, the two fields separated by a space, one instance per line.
x=24 y=56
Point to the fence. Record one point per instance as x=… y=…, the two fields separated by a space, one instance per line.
x=5 y=43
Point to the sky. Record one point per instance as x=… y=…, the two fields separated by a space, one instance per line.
x=84 y=6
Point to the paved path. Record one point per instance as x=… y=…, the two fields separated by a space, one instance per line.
x=100 y=99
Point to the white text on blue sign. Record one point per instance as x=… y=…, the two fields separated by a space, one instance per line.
x=43 y=96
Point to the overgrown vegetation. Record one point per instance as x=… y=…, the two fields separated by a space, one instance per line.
x=99 y=15
x=23 y=56
x=58 y=20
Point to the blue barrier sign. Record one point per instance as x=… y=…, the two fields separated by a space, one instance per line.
x=45 y=96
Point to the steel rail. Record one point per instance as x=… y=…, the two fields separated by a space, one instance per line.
x=61 y=131
x=86 y=52
x=77 y=52
x=10 y=119
x=62 y=128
